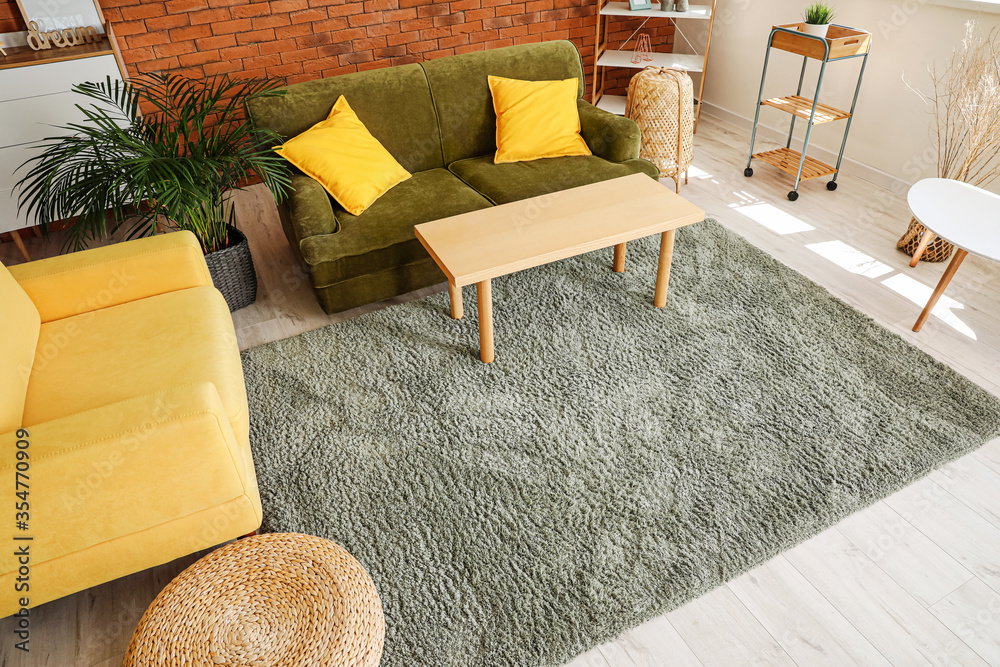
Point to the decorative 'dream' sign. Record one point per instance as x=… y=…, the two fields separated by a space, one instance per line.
x=39 y=40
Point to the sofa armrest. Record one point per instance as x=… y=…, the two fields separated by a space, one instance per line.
x=310 y=208
x=89 y=280
x=121 y=475
x=611 y=137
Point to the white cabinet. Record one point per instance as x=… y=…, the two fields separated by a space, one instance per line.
x=35 y=98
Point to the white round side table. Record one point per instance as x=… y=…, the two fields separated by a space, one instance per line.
x=964 y=215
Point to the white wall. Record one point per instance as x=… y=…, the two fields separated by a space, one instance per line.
x=890 y=129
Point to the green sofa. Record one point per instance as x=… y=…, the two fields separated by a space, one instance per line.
x=437 y=120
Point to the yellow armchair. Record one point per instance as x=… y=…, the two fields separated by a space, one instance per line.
x=122 y=383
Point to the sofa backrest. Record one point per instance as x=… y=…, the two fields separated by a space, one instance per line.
x=462 y=95
x=19 y=327
x=394 y=103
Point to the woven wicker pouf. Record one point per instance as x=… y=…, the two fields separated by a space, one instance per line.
x=277 y=599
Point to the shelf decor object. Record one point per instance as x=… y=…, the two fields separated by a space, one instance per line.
x=636 y=5
x=840 y=43
x=817 y=19
x=642 y=50
x=692 y=63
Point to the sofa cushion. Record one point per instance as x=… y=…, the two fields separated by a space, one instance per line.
x=503 y=183
x=342 y=155
x=136 y=349
x=394 y=103
x=382 y=237
x=536 y=119
x=462 y=95
x=19 y=326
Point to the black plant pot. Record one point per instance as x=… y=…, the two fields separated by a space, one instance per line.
x=232 y=271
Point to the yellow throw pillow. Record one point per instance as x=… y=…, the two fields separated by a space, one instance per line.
x=345 y=158
x=536 y=119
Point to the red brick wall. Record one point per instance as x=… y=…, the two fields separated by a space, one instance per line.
x=308 y=39
x=10 y=17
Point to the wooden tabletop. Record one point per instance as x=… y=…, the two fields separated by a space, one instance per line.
x=496 y=241
x=962 y=214
x=20 y=56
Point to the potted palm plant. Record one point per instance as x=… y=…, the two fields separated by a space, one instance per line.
x=817 y=19
x=162 y=150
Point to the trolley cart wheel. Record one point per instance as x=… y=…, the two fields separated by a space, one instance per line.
x=748 y=172
x=793 y=195
x=831 y=186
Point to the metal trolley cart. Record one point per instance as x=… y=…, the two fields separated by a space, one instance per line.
x=840 y=43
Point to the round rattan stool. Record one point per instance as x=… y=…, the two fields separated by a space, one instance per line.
x=277 y=599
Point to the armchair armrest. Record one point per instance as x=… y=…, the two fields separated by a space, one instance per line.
x=89 y=280
x=611 y=137
x=310 y=208
x=125 y=487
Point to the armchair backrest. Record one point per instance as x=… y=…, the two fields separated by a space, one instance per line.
x=19 y=327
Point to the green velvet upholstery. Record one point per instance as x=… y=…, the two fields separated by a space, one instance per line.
x=394 y=103
x=373 y=287
x=382 y=237
x=462 y=95
x=429 y=116
x=504 y=183
x=611 y=137
x=310 y=208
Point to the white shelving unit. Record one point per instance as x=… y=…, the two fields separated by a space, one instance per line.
x=694 y=63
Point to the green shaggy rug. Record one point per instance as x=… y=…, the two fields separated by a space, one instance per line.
x=614 y=462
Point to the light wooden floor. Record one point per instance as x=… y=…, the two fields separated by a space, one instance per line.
x=913 y=580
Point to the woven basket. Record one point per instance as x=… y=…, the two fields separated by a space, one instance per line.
x=661 y=101
x=281 y=599
x=938 y=250
x=232 y=271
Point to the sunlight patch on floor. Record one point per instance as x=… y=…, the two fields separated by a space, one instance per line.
x=771 y=217
x=850 y=258
x=695 y=172
x=919 y=294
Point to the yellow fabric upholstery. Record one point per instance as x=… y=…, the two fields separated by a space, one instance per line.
x=82 y=282
x=536 y=119
x=128 y=486
x=19 y=324
x=135 y=411
x=76 y=368
x=345 y=158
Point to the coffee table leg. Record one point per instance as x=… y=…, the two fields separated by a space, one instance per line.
x=455 y=294
x=663 y=270
x=619 y=264
x=922 y=246
x=949 y=273
x=484 y=294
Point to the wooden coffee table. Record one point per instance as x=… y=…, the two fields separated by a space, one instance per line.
x=479 y=246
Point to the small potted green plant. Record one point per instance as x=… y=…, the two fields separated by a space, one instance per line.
x=817 y=19
x=162 y=150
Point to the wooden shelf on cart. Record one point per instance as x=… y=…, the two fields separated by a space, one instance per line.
x=802 y=107
x=844 y=42
x=787 y=160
